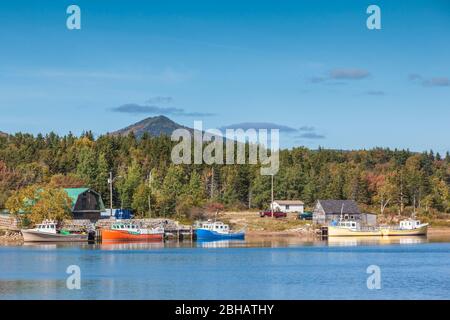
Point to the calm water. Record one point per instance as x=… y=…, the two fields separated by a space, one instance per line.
x=411 y=268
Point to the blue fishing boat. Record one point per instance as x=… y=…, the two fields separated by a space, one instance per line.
x=217 y=231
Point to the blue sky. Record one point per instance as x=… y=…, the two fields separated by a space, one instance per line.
x=310 y=67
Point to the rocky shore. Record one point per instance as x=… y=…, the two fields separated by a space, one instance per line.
x=7 y=236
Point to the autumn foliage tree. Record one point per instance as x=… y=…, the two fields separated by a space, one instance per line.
x=67 y=181
x=38 y=203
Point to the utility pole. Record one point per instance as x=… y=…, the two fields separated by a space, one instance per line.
x=110 y=181
x=271 y=204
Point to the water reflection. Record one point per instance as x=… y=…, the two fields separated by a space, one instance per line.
x=249 y=242
x=120 y=245
x=42 y=246
x=357 y=241
x=218 y=243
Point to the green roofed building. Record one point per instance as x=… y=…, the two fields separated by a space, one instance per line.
x=86 y=203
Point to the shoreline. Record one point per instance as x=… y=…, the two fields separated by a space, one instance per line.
x=439 y=231
x=295 y=233
x=12 y=237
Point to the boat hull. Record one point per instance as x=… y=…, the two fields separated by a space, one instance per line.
x=385 y=232
x=422 y=230
x=37 y=236
x=122 y=235
x=343 y=232
x=203 y=234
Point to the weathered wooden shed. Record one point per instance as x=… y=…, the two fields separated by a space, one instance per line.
x=332 y=210
x=86 y=203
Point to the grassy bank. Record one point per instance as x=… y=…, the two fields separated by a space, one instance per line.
x=255 y=223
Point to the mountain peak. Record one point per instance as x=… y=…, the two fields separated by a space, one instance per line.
x=154 y=126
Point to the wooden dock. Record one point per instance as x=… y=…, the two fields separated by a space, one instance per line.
x=322 y=232
x=172 y=229
x=180 y=233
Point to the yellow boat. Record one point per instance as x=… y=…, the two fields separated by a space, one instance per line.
x=348 y=228
x=408 y=227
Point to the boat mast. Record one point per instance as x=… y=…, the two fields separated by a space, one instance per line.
x=110 y=181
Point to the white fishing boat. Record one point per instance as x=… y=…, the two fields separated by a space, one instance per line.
x=47 y=232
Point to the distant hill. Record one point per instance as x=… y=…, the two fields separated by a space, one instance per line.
x=154 y=126
x=2 y=134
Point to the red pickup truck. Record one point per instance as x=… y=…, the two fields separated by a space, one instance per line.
x=276 y=214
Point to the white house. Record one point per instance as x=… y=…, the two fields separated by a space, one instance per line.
x=288 y=206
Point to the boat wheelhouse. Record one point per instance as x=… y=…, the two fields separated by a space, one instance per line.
x=216 y=226
x=47 y=226
x=409 y=224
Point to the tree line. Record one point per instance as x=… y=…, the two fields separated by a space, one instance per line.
x=382 y=180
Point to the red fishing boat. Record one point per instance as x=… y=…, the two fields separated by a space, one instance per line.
x=120 y=231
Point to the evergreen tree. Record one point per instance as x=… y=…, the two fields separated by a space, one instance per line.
x=101 y=179
x=127 y=184
x=171 y=190
x=87 y=165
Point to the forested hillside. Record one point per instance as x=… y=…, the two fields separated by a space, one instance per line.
x=381 y=179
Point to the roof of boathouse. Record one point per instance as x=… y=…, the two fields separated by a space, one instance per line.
x=336 y=206
x=74 y=194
